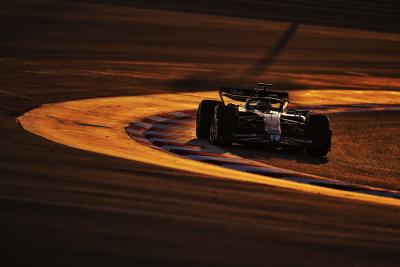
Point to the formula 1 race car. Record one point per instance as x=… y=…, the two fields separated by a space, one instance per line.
x=261 y=116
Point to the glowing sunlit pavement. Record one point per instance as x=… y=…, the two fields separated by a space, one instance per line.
x=100 y=125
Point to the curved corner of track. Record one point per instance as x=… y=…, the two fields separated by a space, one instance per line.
x=162 y=134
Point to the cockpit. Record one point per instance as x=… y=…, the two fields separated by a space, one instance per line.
x=265 y=104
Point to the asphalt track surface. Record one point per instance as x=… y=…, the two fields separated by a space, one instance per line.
x=63 y=206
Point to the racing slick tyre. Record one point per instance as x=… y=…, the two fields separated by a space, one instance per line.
x=224 y=123
x=205 y=115
x=317 y=130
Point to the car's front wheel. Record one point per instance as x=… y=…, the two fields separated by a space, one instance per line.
x=223 y=125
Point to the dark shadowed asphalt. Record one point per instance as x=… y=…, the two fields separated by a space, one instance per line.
x=61 y=206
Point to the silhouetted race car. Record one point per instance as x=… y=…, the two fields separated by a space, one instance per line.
x=261 y=116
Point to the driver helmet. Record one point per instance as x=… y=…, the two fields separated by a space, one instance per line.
x=263 y=105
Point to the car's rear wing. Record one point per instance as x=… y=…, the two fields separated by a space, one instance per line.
x=242 y=95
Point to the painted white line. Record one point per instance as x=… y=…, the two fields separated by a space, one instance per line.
x=221 y=159
x=299 y=179
x=172 y=134
x=172 y=127
x=142 y=124
x=167 y=141
x=194 y=150
x=142 y=140
x=266 y=169
x=161 y=126
x=132 y=131
x=179 y=114
x=157 y=118
x=187 y=121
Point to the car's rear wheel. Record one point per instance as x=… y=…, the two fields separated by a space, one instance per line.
x=204 y=118
x=223 y=125
x=317 y=130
